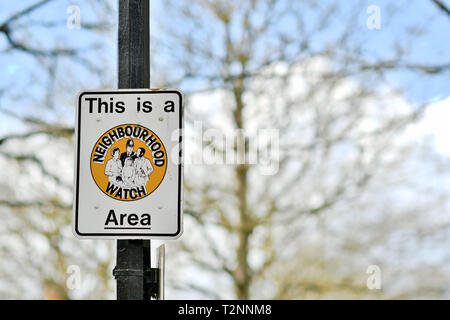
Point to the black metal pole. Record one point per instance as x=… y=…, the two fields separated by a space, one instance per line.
x=132 y=269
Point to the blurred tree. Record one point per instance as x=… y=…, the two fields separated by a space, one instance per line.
x=310 y=69
x=45 y=63
x=303 y=68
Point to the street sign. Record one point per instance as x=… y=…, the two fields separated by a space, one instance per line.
x=128 y=164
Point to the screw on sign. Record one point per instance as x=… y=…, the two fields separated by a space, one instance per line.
x=128 y=164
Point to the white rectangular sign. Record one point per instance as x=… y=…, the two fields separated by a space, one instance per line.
x=128 y=164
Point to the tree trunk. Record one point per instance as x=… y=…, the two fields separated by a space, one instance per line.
x=242 y=274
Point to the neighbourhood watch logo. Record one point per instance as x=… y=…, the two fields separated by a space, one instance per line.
x=128 y=162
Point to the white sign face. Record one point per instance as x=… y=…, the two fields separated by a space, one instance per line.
x=128 y=164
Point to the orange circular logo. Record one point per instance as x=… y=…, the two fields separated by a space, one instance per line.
x=128 y=162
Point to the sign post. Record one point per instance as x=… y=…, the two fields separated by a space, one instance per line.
x=128 y=170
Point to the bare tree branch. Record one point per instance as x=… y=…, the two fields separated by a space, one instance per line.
x=442 y=6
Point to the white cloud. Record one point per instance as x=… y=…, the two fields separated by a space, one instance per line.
x=436 y=125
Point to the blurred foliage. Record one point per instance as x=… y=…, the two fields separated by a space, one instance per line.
x=343 y=197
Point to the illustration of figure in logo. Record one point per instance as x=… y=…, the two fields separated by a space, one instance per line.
x=113 y=167
x=129 y=153
x=128 y=173
x=143 y=168
x=128 y=162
